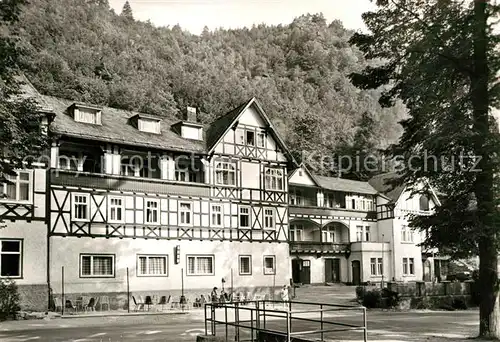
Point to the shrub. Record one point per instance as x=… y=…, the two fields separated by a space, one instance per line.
x=372 y=298
x=459 y=304
x=360 y=292
x=9 y=299
x=392 y=297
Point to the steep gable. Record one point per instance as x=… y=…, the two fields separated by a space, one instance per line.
x=302 y=176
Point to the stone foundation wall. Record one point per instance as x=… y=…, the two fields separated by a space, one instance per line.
x=33 y=297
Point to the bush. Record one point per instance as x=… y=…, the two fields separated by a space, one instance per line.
x=372 y=298
x=459 y=304
x=392 y=297
x=360 y=292
x=9 y=299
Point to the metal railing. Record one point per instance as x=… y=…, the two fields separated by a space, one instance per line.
x=296 y=319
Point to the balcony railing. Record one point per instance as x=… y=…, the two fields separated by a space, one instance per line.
x=318 y=247
x=124 y=183
x=299 y=211
x=388 y=212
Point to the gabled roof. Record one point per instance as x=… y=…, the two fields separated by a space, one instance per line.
x=345 y=185
x=379 y=182
x=303 y=167
x=221 y=126
x=115 y=128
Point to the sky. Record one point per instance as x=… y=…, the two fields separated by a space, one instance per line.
x=193 y=15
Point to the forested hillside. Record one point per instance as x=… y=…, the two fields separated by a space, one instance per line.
x=82 y=50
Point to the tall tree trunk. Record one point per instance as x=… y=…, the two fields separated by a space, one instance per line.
x=489 y=318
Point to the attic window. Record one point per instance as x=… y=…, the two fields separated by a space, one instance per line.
x=149 y=125
x=90 y=115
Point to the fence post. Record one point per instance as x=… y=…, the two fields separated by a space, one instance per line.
x=237 y=319
x=128 y=293
x=63 y=304
x=288 y=326
x=365 y=332
x=321 y=319
x=205 y=314
x=257 y=318
x=225 y=320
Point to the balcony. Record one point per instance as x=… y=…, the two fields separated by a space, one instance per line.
x=366 y=246
x=302 y=211
x=96 y=181
x=388 y=212
x=318 y=247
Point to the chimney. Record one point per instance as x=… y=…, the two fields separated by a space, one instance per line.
x=191 y=114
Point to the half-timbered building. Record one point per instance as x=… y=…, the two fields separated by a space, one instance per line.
x=130 y=202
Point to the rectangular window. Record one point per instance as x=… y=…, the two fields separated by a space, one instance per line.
x=380 y=266
x=368 y=236
x=217 y=215
x=152 y=265
x=240 y=136
x=296 y=231
x=250 y=138
x=200 y=265
x=269 y=264
x=328 y=236
x=245 y=265
x=408 y=266
x=116 y=209
x=261 y=140
x=296 y=197
x=268 y=218
x=20 y=188
x=244 y=217
x=81 y=207
x=152 y=211
x=274 y=179
x=95 y=265
x=185 y=176
x=185 y=214
x=376 y=267
x=225 y=173
x=406 y=234
x=359 y=233
x=87 y=115
x=353 y=204
x=373 y=266
x=11 y=258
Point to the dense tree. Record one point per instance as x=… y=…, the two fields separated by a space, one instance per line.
x=21 y=132
x=127 y=11
x=297 y=71
x=441 y=58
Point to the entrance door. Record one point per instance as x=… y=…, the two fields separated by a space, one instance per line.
x=332 y=270
x=356 y=272
x=305 y=274
x=296 y=267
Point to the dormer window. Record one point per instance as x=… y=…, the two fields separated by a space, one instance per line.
x=146 y=123
x=86 y=113
x=150 y=126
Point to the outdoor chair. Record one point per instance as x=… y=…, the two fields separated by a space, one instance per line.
x=176 y=303
x=148 y=301
x=57 y=303
x=81 y=302
x=69 y=305
x=103 y=301
x=163 y=301
x=89 y=305
x=138 y=304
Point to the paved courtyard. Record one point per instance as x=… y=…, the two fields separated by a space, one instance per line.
x=383 y=326
x=389 y=326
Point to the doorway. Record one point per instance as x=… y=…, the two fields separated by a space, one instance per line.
x=332 y=270
x=356 y=272
x=301 y=271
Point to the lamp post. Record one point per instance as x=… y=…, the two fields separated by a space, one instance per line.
x=382 y=282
